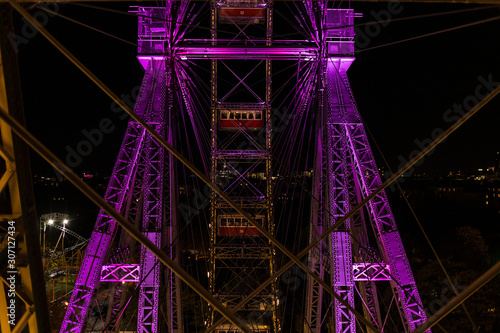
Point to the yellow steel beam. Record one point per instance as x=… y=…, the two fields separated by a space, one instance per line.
x=18 y=215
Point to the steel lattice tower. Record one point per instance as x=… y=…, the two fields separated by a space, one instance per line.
x=345 y=172
x=143 y=186
x=240 y=257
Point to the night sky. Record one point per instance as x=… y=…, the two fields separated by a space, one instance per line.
x=403 y=91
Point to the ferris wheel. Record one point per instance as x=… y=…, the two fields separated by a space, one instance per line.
x=267 y=121
x=237 y=143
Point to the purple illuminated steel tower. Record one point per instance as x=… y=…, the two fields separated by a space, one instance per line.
x=143 y=187
x=345 y=172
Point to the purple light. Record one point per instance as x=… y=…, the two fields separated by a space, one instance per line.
x=345 y=144
x=120 y=273
x=104 y=230
x=346 y=125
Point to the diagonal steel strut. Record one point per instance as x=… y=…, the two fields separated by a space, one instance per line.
x=294 y=259
x=456 y=301
x=241 y=81
x=181 y=158
x=122 y=221
x=184 y=160
x=462 y=297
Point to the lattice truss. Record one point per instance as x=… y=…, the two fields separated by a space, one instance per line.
x=140 y=187
x=240 y=51
x=345 y=162
x=240 y=257
x=22 y=287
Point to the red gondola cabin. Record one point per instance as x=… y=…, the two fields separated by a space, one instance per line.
x=249 y=120
x=242 y=12
x=233 y=225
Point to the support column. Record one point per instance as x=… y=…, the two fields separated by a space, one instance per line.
x=18 y=214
